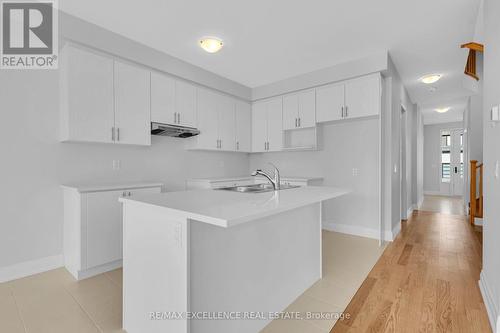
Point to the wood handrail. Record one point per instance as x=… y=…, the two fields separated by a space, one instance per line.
x=470 y=67
x=475 y=199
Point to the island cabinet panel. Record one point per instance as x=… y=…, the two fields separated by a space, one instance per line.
x=93 y=228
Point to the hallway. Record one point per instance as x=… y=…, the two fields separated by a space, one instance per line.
x=443 y=204
x=426 y=280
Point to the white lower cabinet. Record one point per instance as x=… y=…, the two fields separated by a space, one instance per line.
x=93 y=233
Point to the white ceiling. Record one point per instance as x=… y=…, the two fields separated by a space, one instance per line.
x=457 y=108
x=267 y=41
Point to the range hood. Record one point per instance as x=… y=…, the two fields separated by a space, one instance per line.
x=173 y=130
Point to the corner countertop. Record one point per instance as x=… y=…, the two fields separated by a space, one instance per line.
x=227 y=209
x=86 y=188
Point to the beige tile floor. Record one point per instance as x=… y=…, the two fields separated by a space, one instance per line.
x=53 y=302
x=443 y=204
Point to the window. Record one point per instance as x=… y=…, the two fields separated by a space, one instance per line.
x=445 y=156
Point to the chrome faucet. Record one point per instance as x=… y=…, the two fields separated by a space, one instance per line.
x=275 y=180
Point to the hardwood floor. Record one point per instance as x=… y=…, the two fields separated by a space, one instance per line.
x=426 y=281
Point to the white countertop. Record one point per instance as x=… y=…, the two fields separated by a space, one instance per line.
x=236 y=178
x=226 y=208
x=86 y=188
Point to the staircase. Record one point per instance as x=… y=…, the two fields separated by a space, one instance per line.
x=476 y=195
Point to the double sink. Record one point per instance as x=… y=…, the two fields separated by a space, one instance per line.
x=256 y=188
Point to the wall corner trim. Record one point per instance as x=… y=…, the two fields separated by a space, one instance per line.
x=31 y=267
x=489 y=301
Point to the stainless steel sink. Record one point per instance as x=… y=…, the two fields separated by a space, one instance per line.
x=256 y=188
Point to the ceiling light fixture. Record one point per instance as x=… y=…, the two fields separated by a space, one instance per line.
x=431 y=78
x=442 y=110
x=211 y=44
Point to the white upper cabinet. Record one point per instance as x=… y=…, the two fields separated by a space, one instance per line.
x=363 y=97
x=87 y=110
x=259 y=127
x=132 y=104
x=243 y=120
x=227 y=133
x=208 y=120
x=329 y=102
x=172 y=101
x=267 y=125
x=103 y=100
x=185 y=103
x=163 y=99
x=355 y=98
x=216 y=121
x=299 y=110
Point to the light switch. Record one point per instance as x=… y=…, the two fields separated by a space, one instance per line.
x=495 y=113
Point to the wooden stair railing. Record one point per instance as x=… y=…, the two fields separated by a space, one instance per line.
x=476 y=199
x=470 y=67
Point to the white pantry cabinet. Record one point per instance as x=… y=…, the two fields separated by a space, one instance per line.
x=93 y=230
x=267 y=125
x=172 y=101
x=299 y=110
x=360 y=97
x=103 y=100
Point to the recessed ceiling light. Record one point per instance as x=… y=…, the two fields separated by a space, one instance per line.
x=442 y=110
x=431 y=78
x=211 y=44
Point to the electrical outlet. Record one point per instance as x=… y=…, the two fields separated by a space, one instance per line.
x=116 y=164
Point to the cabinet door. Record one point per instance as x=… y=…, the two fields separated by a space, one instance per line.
x=243 y=114
x=207 y=120
x=226 y=122
x=275 y=124
x=290 y=111
x=307 y=109
x=132 y=105
x=162 y=99
x=362 y=97
x=185 y=103
x=259 y=127
x=87 y=112
x=104 y=228
x=329 y=102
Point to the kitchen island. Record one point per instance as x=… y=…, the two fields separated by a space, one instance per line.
x=218 y=261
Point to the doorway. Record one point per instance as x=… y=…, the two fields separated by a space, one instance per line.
x=402 y=166
x=452 y=162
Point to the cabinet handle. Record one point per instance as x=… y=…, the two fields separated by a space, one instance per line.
x=237 y=145
x=129 y=194
x=112 y=134
x=346 y=113
x=124 y=194
x=175 y=117
x=342 y=112
x=299 y=121
x=295 y=122
x=178 y=118
x=118 y=134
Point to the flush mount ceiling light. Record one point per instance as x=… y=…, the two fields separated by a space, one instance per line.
x=211 y=44
x=442 y=110
x=431 y=78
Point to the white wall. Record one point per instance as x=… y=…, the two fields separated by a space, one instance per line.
x=420 y=157
x=432 y=156
x=490 y=276
x=346 y=145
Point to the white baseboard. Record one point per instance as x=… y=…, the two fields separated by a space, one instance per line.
x=86 y=273
x=359 y=231
x=31 y=267
x=489 y=302
x=409 y=212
